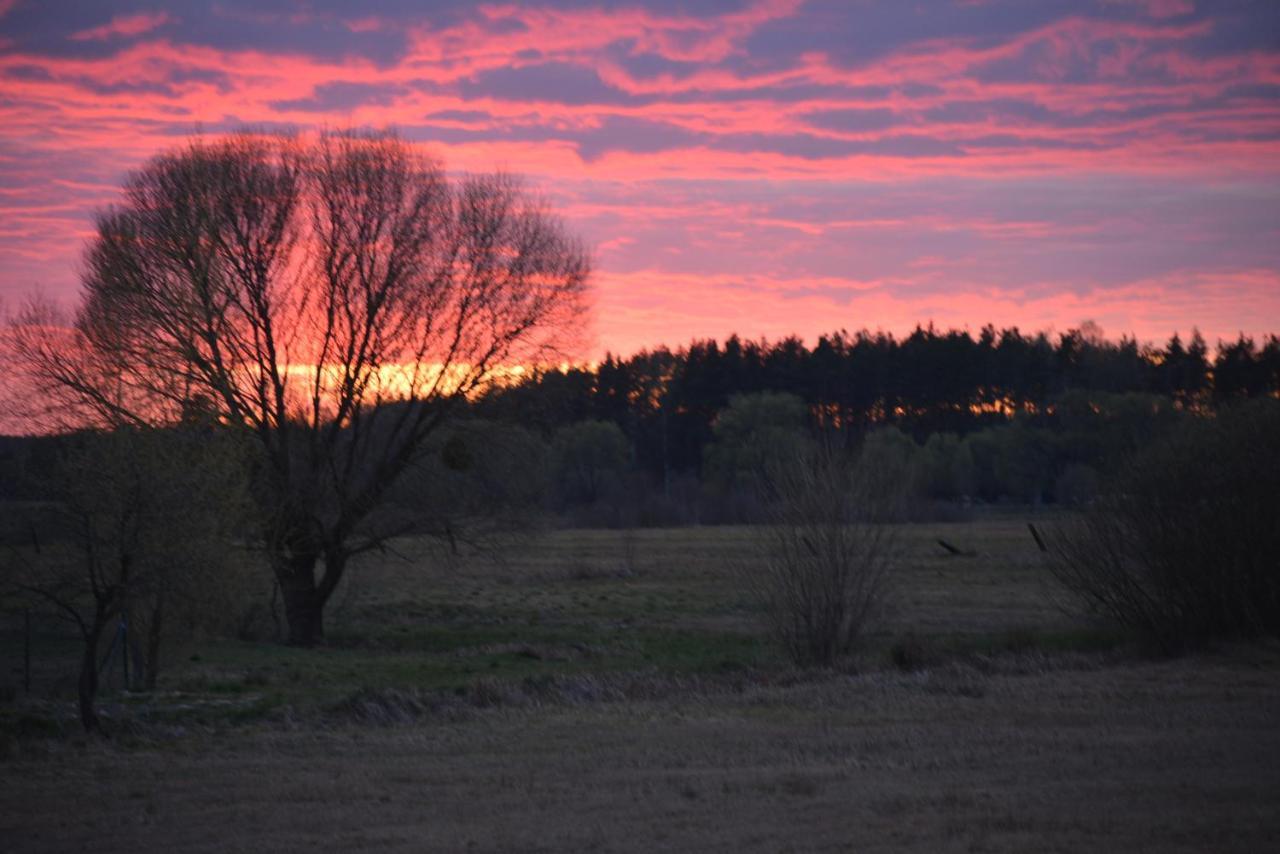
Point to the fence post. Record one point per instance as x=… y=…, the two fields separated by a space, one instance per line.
x=1039 y=539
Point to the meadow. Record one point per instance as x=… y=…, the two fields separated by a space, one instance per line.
x=613 y=690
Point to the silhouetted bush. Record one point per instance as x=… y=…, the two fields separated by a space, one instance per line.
x=827 y=554
x=1184 y=545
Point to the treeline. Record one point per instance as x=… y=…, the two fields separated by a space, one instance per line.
x=691 y=435
x=998 y=416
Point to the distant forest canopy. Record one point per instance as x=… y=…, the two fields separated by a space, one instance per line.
x=675 y=436
x=1000 y=416
x=927 y=382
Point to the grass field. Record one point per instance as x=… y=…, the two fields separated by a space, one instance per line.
x=606 y=690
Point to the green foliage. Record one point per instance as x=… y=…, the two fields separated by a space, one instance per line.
x=963 y=471
x=1107 y=429
x=890 y=448
x=588 y=459
x=936 y=467
x=1022 y=460
x=474 y=474
x=755 y=435
x=889 y=468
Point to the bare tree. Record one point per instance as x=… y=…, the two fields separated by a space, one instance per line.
x=335 y=298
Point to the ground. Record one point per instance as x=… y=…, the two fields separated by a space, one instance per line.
x=610 y=691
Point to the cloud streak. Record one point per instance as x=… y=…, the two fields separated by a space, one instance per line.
x=122 y=26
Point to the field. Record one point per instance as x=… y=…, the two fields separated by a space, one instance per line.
x=611 y=690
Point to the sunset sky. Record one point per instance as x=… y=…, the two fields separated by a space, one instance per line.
x=764 y=168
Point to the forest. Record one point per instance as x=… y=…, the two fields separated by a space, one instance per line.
x=1003 y=416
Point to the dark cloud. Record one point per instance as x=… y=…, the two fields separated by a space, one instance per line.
x=782 y=93
x=813 y=147
x=620 y=133
x=460 y=115
x=650 y=66
x=855 y=34
x=342 y=96
x=271 y=26
x=28 y=72
x=554 y=82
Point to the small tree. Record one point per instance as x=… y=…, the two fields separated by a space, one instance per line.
x=1182 y=547
x=828 y=550
x=145 y=521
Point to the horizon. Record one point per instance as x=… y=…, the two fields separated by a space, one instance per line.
x=18 y=424
x=764 y=169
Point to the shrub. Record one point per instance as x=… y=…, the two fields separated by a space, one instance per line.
x=827 y=554
x=1184 y=545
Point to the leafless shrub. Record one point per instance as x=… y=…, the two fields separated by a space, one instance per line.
x=1184 y=546
x=827 y=551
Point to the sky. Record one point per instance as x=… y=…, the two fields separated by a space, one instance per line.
x=766 y=168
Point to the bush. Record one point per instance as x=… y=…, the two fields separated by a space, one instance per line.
x=827 y=555
x=1184 y=546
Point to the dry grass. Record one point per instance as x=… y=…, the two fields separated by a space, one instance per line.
x=577 y=695
x=1158 y=757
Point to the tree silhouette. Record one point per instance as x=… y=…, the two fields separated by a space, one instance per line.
x=297 y=288
x=1083 y=387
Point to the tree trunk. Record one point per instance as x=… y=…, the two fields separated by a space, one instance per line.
x=87 y=687
x=304 y=598
x=153 y=645
x=303 y=604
